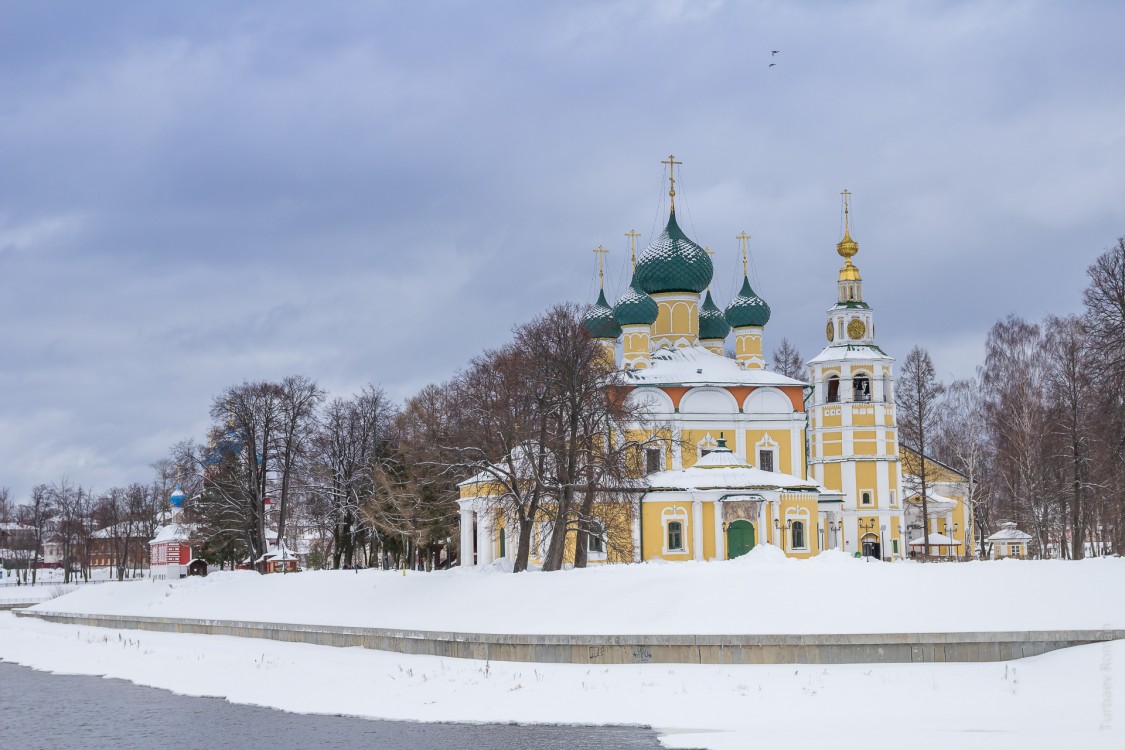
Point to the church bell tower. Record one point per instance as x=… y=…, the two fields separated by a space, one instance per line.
x=853 y=438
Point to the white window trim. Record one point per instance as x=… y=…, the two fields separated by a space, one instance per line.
x=707 y=443
x=874 y=501
x=893 y=498
x=663 y=464
x=802 y=515
x=767 y=444
x=675 y=513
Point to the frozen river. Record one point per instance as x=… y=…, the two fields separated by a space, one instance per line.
x=41 y=710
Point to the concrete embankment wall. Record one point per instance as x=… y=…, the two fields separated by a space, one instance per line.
x=629 y=649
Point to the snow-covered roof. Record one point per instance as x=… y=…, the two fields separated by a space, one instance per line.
x=11 y=526
x=932 y=500
x=837 y=352
x=1009 y=533
x=173 y=532
x=277 y=554
x=118 y=530
x=723 y=469
x=935 y=539
x=694 y=365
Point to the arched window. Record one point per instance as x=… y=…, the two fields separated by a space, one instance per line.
x=675 y=535
x=861 y=388
x=596 y=537
x=798 y=534
x=833 y=384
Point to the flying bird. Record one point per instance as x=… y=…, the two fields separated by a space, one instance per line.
x=774 y=52
x=773 y=64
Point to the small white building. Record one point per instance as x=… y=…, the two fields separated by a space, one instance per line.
x=1008 y=542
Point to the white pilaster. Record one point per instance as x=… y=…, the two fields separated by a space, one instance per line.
x=720 y=542
x=467 y=538
x=697 y=529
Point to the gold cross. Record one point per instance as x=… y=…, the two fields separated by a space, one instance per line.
x=671 y=162
x=601 y=252
x=742 y=238
x=633 y=234
x=846 y=193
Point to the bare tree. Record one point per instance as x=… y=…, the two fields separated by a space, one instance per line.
x=918 y=397
x=351 y=440
x=1014 y=378
x=963 y=442
x=38 y=513
x=787 y=360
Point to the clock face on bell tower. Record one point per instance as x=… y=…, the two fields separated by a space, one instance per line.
x=829 y=331
x=857 y=328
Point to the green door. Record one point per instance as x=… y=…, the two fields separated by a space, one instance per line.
x=740 y=539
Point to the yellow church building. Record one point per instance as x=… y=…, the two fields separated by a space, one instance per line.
x=754 y=456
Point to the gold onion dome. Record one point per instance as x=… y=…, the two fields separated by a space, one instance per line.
x=747 y=309
x=599 y=320
x=673 y=263
x=635 y=307
x=712 y=324
x=847 y=248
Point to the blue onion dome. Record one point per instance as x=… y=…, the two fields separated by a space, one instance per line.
x=673 y=263
x=177 y=498
x=712 y=324
x=635 y=308
x=599 y=320
x=747 y=309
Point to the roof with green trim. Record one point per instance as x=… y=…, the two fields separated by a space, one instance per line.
x=673 y=263
x=599 y=320
x=712 y=324
x=635 y=307
x=747 y=309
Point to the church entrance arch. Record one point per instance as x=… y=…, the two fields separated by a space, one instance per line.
x=871 y=546
x=740 y=538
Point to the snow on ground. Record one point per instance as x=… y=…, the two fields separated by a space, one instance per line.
x=762 y=592
x=1069 y=698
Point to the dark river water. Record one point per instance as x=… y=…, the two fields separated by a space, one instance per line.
x=56 y=712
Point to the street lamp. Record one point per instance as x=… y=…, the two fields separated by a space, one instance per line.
x=865 y=527
x=953 y=539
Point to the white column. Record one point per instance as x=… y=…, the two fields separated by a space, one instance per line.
x=484 y=539
x=697 y=529
x=467 y=538
x=720 y=542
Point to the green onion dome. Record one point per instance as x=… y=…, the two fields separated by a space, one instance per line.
x=599 y=320
x=747 y=309
x=673 y=263
x=712 y=324
x=635 y=308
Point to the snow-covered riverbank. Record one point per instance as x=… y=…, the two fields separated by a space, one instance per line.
x=1069 y=698
x=760 y=593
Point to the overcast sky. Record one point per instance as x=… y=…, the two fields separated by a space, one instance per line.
x=198 y=193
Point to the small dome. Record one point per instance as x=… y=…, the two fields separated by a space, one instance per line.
x=712 y=324
x=599 y=320
x=673 y=263
x=178 y=497
x=635 y=308
x=747 y=309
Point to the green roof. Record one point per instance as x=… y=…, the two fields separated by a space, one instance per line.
x=635 y=308
x=599 y=320
x=712 y=324
x=747 y=309
x=673 y=263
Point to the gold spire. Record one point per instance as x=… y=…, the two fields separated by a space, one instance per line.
x=742 y=238
x=847 y=247
x=671 y=162
x=601 y=253
x=633 y=234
